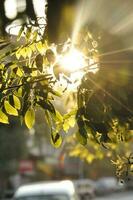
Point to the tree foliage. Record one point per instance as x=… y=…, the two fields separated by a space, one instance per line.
x=30 y=79
x=27 y=83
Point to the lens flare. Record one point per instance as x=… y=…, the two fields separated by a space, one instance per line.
x=73 y=60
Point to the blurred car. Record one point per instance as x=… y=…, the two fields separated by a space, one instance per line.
x=85 y=188
x=59 y=190
x=107 y=185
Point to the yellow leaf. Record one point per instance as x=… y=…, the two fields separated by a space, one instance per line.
x=3 y=118
x=18 y=55
x=23 y=52
x=71 y=121
x=56 y=139
x=2 y=66
x=29 y=118
x=29 y=52
x=28 y=33
x=66 y=126
x=59 y=116
x=17 y=103
x=10 y=109
x=32 y=46
x=35 y=34
x=18 y=92
x=34 y=73
x=40 y=48
x=19 y=72
x=13 y=66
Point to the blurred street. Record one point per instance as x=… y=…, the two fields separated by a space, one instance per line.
x=66 y=108
x=118 y=196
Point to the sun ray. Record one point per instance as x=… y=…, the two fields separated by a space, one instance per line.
x=111 y=96
x=85 y=15
x=116 y=51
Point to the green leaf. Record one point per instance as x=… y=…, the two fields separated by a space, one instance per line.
x=20 y=33
x=18 y=92
x=70 y=114
x=56 y=139
x=29 y=118
x=2 y=66
x=66 y=126
x=56 y=93
x=35 y=34
x=23 y=52
x=3 y=118
x=82 y=136
x=71 y=121
x=59 y=117
x=10 y=109
x=40 y=47
x=29 y=52
x=28 y=33
x=17 y=103
x=18 y=54
x=20 y=72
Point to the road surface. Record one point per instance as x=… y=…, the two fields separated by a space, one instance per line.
x=118 y=196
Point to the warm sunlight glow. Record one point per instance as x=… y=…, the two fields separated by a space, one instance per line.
x=73 y=60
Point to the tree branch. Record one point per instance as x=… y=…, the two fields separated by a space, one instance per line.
x=23 y=84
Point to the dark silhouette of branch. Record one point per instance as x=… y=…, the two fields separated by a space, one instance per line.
x=20 y=85
x=3 y=19
x=30 y=12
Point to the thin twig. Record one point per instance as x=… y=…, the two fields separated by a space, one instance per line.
x=20 y=85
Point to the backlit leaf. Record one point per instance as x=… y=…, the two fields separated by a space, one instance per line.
x=29 y=52
x=17 y=103
x=59 y=117
x=3 y=118
x=71 y=121
x=10 y=109
x=29 y=118
x=40 y=47
x=18 y=55
x=66 y=126
x=56 y=139
x=19 y=72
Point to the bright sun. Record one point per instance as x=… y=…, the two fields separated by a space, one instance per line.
x=73 y=60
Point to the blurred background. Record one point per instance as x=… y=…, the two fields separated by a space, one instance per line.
x=28 y=156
